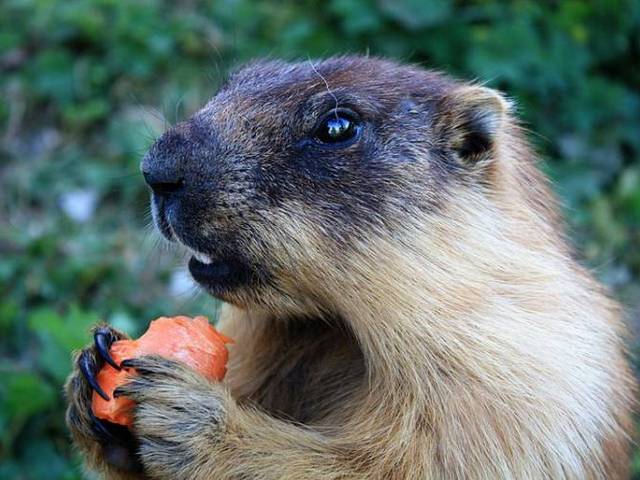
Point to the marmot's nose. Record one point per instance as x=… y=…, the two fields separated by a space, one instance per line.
x=171 y=166
x=163 y=183
x=161 y=168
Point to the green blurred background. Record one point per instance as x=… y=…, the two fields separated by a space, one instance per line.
x=86 y=85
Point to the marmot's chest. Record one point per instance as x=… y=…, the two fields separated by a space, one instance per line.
x=312 y=377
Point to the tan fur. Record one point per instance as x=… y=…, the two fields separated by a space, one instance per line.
x=467 y=345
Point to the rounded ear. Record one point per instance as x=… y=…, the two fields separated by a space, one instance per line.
x=480 y=113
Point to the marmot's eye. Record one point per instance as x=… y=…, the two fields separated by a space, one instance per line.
x=337 y=127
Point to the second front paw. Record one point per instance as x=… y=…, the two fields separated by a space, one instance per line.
x=180 y=416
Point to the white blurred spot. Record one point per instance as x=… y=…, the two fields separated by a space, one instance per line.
x=79 y=205
x=181 y=283
x=122 y=321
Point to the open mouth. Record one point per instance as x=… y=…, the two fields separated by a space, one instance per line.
x=220 y=275
x=206 y=270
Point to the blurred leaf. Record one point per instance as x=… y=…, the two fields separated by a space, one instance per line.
x=415 y=14
x=86 y=113
x=358 y=16
x=59 y=336
x=24 y=394
x=8 y=316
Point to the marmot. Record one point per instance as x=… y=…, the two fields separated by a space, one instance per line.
x=396 y=278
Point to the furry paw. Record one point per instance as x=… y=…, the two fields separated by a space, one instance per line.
x=179 y=416
x=105 y=444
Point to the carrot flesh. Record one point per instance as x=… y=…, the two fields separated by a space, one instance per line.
x=192 y=341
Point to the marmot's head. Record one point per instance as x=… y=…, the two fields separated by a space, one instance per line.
x=292 y=166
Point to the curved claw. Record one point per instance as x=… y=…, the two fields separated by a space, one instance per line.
x=87 y=367
x=103 y=338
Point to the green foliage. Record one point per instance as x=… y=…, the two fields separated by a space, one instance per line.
x=84 y=82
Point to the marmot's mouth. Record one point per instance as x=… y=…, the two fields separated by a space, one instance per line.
x=213 y=271
x=220 y=272
x=221 y=275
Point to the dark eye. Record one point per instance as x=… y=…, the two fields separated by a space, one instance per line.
x=337 y=127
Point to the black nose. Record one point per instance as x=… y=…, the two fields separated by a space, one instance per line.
x=162 y=183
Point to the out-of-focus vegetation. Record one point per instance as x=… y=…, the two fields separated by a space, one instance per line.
x=86 y=85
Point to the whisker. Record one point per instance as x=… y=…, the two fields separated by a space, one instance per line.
x=326 y=84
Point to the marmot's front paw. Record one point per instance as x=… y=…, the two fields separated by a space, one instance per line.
x=105 y=444
x=180 y=416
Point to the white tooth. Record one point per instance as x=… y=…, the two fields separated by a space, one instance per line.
x=201 y=257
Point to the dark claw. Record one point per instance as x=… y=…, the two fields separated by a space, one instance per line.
x=87 y=368
x=103 y=338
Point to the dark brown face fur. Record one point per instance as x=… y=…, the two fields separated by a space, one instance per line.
x=218 y=177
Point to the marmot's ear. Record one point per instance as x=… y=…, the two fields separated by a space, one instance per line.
x=480 y=113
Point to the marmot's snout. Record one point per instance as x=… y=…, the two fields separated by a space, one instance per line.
x=166 y=180
x=190 y=203
x=160 y=168
x=174 y=169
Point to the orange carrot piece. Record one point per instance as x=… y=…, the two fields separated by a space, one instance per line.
x=192 y=341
